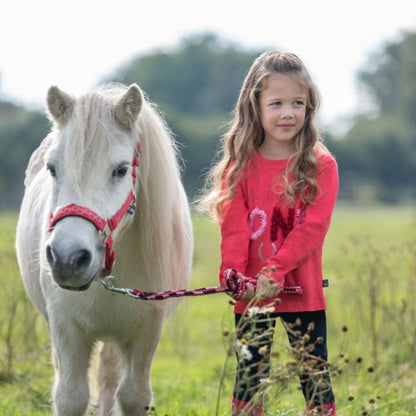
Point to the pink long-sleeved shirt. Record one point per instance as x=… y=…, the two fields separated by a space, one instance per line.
x=259 y=230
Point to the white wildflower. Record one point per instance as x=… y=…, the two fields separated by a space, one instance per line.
x=243 y=351
x=254 y=310
x=267 y=309
x=266 y=380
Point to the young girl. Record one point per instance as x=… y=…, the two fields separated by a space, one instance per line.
x=273 y=194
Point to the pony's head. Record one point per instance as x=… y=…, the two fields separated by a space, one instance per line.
x=92 y=164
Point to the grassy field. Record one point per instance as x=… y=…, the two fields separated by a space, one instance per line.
x=370 y=260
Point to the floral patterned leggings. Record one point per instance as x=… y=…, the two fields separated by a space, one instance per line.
x=307 y=336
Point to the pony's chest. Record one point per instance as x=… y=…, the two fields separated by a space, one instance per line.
x=111 y=317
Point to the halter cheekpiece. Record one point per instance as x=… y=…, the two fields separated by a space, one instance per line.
x=106 y=227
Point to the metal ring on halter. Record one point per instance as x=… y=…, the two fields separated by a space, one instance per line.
x=110 y=283
x=106 y=232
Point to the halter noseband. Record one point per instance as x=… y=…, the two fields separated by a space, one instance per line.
x=103 y=226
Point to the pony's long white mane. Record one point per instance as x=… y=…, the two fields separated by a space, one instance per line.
x=158 y=188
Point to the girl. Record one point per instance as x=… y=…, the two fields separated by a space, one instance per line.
x=273 y=193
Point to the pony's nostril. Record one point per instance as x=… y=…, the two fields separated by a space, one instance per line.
x=49 y=255
x=82 y=260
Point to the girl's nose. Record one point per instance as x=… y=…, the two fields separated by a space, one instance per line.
x=286 y=112
x=287 y=115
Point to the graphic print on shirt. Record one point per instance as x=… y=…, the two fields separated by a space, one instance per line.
x=257 y=212
x=258 y=224
x=280 y=222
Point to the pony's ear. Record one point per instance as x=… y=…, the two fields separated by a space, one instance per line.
x=60 y=105
x=128 y=107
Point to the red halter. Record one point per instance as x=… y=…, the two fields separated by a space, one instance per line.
x=106 y=227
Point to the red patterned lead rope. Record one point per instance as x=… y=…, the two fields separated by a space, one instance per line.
x=235 y=286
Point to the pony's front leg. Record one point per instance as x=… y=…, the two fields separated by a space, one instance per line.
x=108 y=376
x=134 y=393
x=71 y=355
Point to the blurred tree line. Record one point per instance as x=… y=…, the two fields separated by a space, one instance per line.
x=196 y=86
x=377 y=155
x=21 y=131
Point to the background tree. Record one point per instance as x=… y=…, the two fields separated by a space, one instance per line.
x=20 y=133
x=196 y=86
x=377 y=155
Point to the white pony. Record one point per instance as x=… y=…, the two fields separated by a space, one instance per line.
x=83 y=174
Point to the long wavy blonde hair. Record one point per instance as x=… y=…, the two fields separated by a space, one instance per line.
x=246 y=135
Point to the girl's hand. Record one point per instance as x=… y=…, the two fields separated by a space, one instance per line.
x=266 y=288
x=250 y=292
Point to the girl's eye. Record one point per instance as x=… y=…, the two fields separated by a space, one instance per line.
x=120 y=171
x=299 y=103
x=51 y=169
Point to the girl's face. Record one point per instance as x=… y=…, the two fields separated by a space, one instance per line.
x=282 y=105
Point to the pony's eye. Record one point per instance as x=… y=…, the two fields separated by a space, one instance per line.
x=120 y=171
x=51 y=169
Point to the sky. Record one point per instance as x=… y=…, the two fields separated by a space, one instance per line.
x=76 y=43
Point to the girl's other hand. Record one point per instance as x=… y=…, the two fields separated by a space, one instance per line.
x=250 y=292
x=266 y=288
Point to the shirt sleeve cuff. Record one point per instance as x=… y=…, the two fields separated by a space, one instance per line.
x=272 y=273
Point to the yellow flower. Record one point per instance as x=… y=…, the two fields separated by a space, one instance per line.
x=226 y=331
x=263 y=350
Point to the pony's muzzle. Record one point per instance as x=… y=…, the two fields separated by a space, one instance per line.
x=75 y=264
x=74 y=252
x=70 y=268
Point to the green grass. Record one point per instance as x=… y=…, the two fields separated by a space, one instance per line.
x=370 y=259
